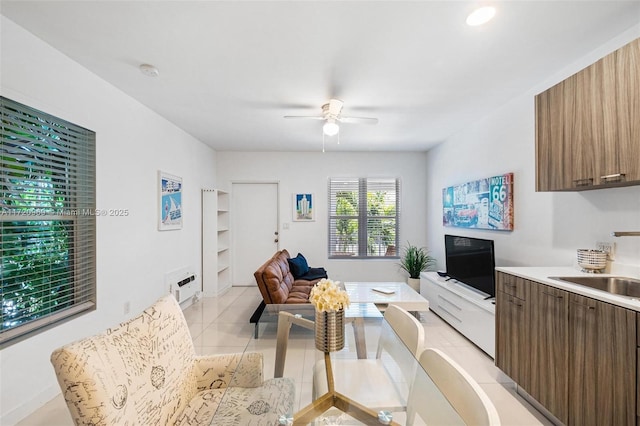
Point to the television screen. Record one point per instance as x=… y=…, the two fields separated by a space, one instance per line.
x=471 y=261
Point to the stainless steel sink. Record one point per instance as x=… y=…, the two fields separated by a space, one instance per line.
x=623 y=286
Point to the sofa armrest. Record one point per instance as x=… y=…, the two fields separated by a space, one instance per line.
x=224 y=370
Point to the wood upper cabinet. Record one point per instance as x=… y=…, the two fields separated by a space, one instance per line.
x=588 y=126
x=628 y=110
x=553 y=160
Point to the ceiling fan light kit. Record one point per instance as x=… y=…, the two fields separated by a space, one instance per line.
x=331 y=115
x=330 y=128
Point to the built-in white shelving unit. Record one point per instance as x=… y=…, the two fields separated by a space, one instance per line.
x=216 y=276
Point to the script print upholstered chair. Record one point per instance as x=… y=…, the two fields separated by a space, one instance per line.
x=145 y=371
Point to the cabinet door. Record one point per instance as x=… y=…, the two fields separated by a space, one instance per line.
x=628 y=109
x=611 y=114
x=602 y=377
x=583 y=338
x=604 y=121
x=582 y=125
x=553 y=159
x=512 y=285
x=549 y=355
x=512 y=338
x=591 y=130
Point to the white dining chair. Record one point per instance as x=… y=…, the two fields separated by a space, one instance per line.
x=381 y=383
x=464 y=394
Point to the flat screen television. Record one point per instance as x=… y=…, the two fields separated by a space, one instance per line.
x=471 y=261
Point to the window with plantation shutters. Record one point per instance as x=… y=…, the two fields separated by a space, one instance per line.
x=47 y=220
x=363 y=217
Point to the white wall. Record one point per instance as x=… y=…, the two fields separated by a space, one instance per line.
x=133 y=143
x=549 y=227
x=309 y=172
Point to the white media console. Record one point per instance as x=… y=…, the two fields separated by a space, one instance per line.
x=464 y=308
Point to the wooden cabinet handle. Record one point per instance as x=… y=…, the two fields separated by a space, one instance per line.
x=578 y=305
x=583 y=182
x=514 y=301
x=613 y=178
x=552 y=295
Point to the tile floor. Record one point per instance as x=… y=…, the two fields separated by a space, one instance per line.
x=221 y=325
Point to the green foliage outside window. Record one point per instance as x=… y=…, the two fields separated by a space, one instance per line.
x=35 y=270
x=379 y=221
x=347 y=229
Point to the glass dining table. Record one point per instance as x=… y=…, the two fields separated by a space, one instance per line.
x=326 y=402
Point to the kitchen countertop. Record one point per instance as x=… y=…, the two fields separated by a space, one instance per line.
x=541 y=274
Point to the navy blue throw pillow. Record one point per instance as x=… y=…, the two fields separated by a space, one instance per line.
x=298 y=266
x=314 y=274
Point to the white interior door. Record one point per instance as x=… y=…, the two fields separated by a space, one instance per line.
x=254 y=229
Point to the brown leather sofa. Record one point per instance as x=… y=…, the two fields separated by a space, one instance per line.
x=278 y=285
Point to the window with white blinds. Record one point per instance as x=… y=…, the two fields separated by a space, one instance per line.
x=47 y=220
x=363 y=217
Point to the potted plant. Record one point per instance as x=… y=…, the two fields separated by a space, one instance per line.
x=415 y=260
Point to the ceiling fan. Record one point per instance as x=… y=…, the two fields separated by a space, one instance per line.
x=331 y=115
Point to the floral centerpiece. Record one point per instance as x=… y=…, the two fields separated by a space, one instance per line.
x=327 y=296
x=329 y=300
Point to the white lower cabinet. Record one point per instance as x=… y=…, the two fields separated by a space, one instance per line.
x=463 y=308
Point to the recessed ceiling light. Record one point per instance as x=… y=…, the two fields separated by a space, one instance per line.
x=481 y=16
x=149 y=70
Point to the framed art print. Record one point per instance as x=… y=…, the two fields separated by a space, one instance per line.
x=483 y=204
x=170 y=214
x=303 y=208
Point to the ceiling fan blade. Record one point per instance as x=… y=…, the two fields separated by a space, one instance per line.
x=358 y=120
x=311 y=117
x=335 y=106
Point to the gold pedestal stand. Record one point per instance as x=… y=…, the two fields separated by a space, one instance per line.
x=332 y=398
x=335 y=399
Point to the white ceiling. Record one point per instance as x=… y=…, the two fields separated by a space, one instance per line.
x=230 y=70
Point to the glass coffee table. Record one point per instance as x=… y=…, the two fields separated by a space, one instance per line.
x=367 y=294
x=384 y=293
x=306 y=310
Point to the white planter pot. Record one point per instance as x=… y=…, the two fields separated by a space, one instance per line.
x=414 y=283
